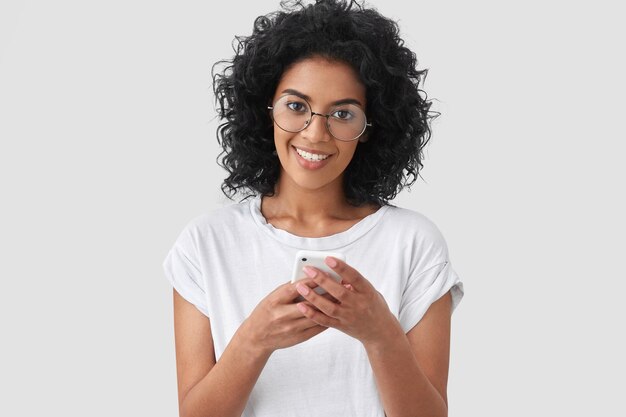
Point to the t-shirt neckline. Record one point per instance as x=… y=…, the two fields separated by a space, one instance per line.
x=332 y=242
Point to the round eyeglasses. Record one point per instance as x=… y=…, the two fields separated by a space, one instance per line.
x=345 y=122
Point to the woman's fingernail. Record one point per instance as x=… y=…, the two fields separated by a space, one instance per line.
x=311 y=273
x=302 y=308
x=331 y=262
x=302 y=289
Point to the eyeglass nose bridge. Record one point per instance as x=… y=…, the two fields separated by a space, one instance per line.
x=367 y=124
x=308 y=122
x=327 y=116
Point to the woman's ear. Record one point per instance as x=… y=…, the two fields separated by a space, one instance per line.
x=364 y=138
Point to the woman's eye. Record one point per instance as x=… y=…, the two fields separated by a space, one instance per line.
x=342 y=114
x=296 y=106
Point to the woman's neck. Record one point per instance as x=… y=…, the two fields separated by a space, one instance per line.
x=313 y=213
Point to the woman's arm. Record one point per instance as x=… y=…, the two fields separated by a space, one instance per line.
x=411 y=370
x=207 y=388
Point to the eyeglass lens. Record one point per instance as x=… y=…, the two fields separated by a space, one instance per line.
x=293 y=114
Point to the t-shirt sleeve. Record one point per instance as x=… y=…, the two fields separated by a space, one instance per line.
x=429 y=284
x=183 y=271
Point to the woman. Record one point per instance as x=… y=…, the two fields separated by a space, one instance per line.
x=325 y=124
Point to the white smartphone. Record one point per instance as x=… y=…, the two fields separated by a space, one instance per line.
x=314 y=259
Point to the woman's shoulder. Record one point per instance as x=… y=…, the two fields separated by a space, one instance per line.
x=418 y=230
x=410 y=220
x=231 y=214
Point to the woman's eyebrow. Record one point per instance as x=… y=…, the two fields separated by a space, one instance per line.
x=334 y=103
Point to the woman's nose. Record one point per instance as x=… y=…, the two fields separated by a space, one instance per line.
x=316 y=130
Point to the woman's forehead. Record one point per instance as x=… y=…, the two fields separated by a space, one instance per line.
x=323 y=80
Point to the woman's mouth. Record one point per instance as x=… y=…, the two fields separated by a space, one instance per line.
x=313 y=157
x=310 y=160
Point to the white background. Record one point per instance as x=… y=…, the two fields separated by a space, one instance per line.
x=108 y=149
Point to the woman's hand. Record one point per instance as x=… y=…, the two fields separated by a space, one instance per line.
x=276 y=322
x=361 y=311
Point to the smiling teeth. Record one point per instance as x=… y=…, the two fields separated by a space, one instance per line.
x=313 y=157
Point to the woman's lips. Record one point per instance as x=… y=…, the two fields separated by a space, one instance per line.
x=305 y=163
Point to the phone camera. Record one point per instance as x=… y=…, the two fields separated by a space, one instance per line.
x=303 y=259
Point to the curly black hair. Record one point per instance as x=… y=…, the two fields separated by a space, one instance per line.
x=388 y=161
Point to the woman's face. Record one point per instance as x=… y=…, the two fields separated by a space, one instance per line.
x=322 y=83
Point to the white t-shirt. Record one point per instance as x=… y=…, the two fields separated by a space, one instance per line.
x=225 y=262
